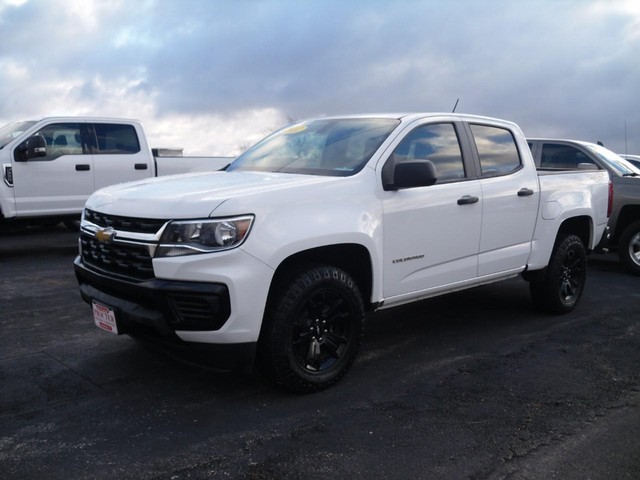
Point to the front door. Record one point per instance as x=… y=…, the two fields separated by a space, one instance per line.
x=431 y=234
x=61 y=181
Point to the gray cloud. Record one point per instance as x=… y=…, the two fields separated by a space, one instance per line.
x=559 y=68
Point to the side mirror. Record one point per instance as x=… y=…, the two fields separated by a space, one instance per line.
x=416 y=173
x=32 y=147
x=587 y=166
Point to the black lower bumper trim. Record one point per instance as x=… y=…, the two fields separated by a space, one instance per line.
x=127 y=313
x=166 y=305
x=154 y=309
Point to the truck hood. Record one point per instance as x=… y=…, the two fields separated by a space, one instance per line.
x=194 y=195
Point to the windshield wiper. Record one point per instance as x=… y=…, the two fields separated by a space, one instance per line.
x=629 y=174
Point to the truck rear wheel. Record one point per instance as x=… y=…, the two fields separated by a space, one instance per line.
x=313 y=329
x=629 y=248
x=563 y=282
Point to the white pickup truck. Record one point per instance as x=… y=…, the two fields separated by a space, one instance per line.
x=275 y=260
x=51 y=166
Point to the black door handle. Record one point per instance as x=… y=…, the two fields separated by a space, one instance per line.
x=140 y=166
x=467 y=199
x=83 y=168
x=525 y=192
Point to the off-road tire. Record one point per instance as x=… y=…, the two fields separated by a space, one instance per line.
x=629 y=248
x=563 y=282
x=313 y=328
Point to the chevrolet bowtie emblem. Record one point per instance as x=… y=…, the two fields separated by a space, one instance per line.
x=105 y=235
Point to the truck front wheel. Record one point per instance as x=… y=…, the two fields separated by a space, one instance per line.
x=629 y=248
x=563 y=282
x=313 y=329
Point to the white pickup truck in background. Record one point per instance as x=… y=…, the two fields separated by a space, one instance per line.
x=275 y=260
x=51 y=166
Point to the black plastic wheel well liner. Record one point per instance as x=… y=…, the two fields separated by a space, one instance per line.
x=354 y=259
x=580 y=226
x=628 y=215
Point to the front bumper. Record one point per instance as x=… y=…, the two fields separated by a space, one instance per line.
x=155 y=309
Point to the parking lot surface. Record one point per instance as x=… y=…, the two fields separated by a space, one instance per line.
x=473 y=385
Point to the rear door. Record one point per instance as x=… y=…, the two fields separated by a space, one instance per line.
x=511 y=194
x=61 y=181
x=118 y=154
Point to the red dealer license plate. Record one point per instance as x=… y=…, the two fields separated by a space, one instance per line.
x=105 y=318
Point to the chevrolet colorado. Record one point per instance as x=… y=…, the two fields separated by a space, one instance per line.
x=275 y=260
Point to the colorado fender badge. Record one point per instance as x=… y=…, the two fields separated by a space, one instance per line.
x=105 y=235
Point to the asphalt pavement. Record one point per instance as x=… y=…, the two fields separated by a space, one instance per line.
x=473 y=385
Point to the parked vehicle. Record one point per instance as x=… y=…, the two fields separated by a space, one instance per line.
x=554 y=154
x=51 y=166
x=632 y=159
x=280 y=255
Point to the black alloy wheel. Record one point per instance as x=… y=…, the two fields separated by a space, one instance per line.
x=322 y=330
x=564 y=279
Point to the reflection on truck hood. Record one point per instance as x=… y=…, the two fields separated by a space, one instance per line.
x=194 y=195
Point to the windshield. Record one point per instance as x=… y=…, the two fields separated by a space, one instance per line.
x=615 y=162
x=12 y=130
x=333 y=147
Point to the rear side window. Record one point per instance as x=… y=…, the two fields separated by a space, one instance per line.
x=116 y=139
x=497 y=150
x=562 y=157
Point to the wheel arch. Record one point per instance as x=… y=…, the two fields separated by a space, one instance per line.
x=628 y=215
x=581 y=226
x=353 y=258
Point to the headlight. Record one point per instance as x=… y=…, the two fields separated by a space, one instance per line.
x=187 y=237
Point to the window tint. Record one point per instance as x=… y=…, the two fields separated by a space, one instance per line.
x=562 y=157
x=497 y=150
x=435 y=142
x=118 y=139
x=61 y=139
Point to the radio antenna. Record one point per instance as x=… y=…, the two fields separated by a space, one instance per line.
x=455 y=106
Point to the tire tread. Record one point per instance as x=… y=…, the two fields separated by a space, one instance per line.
x=276 y=358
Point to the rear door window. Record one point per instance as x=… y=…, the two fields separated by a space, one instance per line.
x=115 y=139
x=497 y=150
x=562 y=157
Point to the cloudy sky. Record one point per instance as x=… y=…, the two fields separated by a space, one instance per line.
x=213 y=76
